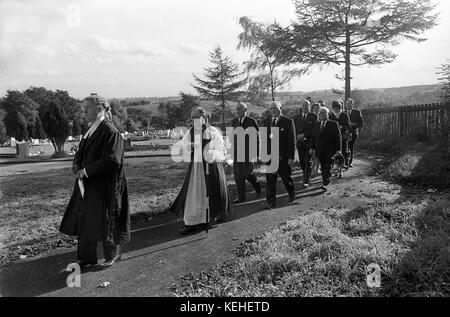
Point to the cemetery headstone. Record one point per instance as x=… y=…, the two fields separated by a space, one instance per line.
x=23 y=149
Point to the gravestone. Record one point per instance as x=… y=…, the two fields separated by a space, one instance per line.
x=23 y=149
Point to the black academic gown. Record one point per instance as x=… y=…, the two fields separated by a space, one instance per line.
x=216 y=184
x=103 y=214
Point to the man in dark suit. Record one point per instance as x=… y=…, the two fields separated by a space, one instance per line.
x=356 y=123
x=304 y=129
x=243 y=159
x=326 y=143
x=286 y=144
x=98 y=209
x=343 y=120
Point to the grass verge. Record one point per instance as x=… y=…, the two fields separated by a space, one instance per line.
x=327 y=253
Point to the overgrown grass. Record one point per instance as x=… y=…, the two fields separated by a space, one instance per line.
x=410 y=161
x=326 y=254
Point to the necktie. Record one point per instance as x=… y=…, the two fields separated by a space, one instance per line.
x=322 y=126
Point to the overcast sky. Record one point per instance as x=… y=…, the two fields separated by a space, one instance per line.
x=124 y=48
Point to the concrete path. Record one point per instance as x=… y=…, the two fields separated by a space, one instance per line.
x=158 y=256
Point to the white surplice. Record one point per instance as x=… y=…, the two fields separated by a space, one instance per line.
x=196 y=200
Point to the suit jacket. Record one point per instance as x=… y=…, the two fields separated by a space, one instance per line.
x=356 y=117
x=103 y=212
x=305 y=126
x=286 y=140
x=327 y=142
x=247 y=123
x=343 y=121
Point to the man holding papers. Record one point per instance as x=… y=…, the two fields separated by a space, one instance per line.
x=98 y=209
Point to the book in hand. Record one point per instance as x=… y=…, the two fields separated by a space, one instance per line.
x=81 y=187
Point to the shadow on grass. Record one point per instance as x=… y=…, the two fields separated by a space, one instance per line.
x=43 y=275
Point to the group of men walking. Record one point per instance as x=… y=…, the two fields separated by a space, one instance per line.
x=99 y=208
x=315 y=133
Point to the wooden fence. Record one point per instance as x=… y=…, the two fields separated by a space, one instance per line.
x=428 y=120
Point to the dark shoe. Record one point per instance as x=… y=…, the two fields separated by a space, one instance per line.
x=188 y=229
x=238 y=201
x=111 y=262
x=292 y=197
x=268 y=206
x=84 y=264
x=350 y=165
x=325 y=188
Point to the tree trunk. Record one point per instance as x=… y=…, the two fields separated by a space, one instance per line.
x=223 y=115
x=347 y=65
x=272 y=88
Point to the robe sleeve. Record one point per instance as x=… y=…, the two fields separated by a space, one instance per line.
x=216 y=150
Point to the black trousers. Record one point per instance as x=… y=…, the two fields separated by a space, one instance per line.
x=305 y=162
x=351 y=148
x=345 y=151
x=244 y=171
x=87 y=251
x=325 y=166
x=285 y=172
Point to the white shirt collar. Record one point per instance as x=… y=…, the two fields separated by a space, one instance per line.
x=94 y=127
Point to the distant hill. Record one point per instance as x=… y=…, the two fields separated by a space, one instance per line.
x=366 y=98
x=370 y=98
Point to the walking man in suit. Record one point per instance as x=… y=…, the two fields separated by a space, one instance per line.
x=243 y=169
x=356 y=123
x=304 y=129
x=286 y=141
x=326 y=143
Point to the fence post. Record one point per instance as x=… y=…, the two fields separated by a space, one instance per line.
x=402 y=121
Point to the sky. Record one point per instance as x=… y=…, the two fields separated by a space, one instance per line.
x=137 y=48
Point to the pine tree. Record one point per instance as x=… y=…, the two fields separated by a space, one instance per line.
x=223 y=80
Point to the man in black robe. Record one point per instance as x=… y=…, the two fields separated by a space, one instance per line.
x=304 y=128
x=204 y=196
x=98 y=209
x=243 y=166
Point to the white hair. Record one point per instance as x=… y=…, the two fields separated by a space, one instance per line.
x=324 y=109
x=276 y=104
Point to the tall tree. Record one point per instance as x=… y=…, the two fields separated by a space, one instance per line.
x=56 y=126
x=3 y=135
x=22 y=117
x=352 y=32
x=224 y=80
x=264 y=60
x=188 y=102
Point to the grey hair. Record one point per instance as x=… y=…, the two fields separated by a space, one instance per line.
x=242 y=104
x=306 y=102
x=324 y=109
x=276 y=104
